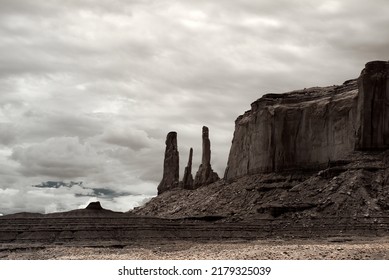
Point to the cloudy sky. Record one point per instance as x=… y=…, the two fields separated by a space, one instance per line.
x=89 y=89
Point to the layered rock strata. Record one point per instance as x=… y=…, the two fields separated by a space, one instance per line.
x=171 y=165
x=205 y=175
x=187 y=181
x=307 y=129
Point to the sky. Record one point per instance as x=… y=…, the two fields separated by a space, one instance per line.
x=90 y=89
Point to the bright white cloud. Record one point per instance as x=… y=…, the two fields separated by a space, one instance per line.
x=8 y=192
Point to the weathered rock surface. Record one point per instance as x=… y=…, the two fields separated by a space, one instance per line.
x=373 y=106
x=187 y=181
x=171 y=165
x=307 y=129
x=205 y=175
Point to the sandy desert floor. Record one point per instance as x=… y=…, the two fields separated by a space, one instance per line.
x=352 y=248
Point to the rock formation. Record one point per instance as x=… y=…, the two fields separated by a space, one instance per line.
x=308 y=162
x=94 y=206
x=299 y=130
x=171 y=167
x=205 y=175
x=373 y=106
x=187 y=181
x=307 y=129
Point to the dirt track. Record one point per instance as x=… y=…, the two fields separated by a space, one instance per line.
x=350 y=248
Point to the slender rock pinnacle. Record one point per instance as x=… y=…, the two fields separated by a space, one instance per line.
x=205 y=174
x=187 y=181
x=206 y=157
x=170 y=177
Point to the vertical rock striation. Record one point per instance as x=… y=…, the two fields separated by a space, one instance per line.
x=301 y=129
x=187 y=181
x=308 y=128
x=205 y=175
x=373 y=106
x=171 y=166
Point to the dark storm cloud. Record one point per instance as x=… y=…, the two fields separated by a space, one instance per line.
x=93 y=192
x=57 y=184
x=89 y=89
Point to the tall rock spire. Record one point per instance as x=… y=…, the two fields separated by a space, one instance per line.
x=205 y=174
x=171 y=167
x=187 y=181
x=206 y=156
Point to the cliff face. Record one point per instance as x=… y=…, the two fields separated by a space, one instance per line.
x=373 y=106
x=307 y=129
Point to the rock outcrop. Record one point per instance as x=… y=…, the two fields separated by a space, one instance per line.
x=94 y=206
x=308 y=129
x=373 y=106
x=187 y=181
x=205 y=175
x=171 y=165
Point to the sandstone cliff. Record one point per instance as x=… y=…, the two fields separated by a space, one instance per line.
x=307 y=129
x=373 y=106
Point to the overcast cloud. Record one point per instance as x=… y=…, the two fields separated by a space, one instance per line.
x=89 y=89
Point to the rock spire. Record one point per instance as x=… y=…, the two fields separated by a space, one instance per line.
x=187 y=181
x=171 y=167
x=205 y=175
